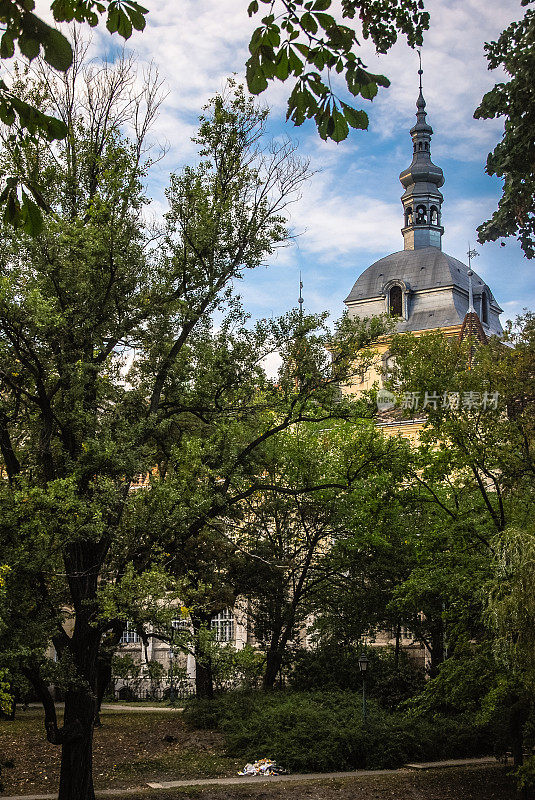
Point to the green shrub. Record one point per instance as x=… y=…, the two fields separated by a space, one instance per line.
x=324 y=731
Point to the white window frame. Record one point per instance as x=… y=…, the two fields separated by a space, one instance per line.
x=129 y=635
x=223 y=625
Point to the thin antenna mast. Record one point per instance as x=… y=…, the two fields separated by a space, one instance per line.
x=300 y=300
x=471 y=254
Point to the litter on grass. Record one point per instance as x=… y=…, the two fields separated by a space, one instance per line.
x=265 y=766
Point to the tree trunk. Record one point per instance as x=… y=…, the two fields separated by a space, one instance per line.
x=275 y=653
x=204 y=683
x=273 y=665
x=398 y=646
x=105 y=669
x=76 y=776
x=204 y=678
x=518 y=715
x=81 y=702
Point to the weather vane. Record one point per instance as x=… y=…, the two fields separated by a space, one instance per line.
x=471 y=254
x=420 y=71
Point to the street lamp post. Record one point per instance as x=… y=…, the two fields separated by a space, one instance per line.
x=363 y=666
x=172 y=660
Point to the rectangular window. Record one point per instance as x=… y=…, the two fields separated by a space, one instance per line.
x=129 y=635
x=223 y=625
x=181 y=624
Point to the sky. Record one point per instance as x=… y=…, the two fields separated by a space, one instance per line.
x=349 y=214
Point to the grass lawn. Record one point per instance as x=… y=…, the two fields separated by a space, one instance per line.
x=131 y=749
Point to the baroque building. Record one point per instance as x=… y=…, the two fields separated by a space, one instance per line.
x=422 y=287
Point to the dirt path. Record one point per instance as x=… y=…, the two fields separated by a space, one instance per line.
x=136 y=709
x=481 y=782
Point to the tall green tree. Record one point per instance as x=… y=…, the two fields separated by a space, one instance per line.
x=478 y=437
x=234 y=450
x=320 y=476
x=513 y=158
x=73 y=304
x=476 y=471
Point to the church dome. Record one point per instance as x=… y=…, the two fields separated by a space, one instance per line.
x=434 y=285
x=421 y=287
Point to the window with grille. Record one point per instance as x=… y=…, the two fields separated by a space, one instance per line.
x=223 y=625
x=129 y=635
x=182 y=624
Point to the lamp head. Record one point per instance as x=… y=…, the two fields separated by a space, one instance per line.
x=363 y=662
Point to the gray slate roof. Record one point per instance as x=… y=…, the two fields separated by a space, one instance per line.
x=424 y=270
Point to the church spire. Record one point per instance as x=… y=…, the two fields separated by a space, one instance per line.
x=472 y=328
x=422 y=200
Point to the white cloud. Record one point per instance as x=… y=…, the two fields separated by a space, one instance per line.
x=271 y=364
x=335 y=225
x=349 y=214
x=196 y=44
x=455 y=76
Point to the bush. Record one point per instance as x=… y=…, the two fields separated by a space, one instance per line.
x=324 y=731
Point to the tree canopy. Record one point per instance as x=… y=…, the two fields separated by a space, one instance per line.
x=513 y=158
x=21 y=197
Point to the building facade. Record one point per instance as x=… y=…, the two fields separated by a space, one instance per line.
x=422 y=287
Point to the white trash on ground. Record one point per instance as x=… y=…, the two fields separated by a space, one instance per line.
x=265 y=766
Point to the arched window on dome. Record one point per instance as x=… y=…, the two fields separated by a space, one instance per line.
x=420 y=145
x=427 y=145
x=484 y=308
x=408 y=215
x=395 y=301
x=421 y=215
x=434 y=215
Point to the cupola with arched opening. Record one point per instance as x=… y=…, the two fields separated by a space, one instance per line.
x=422 y=200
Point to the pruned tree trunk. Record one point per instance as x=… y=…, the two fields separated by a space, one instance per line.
x=204 y=682
x=273 y=665
x=76 y=776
